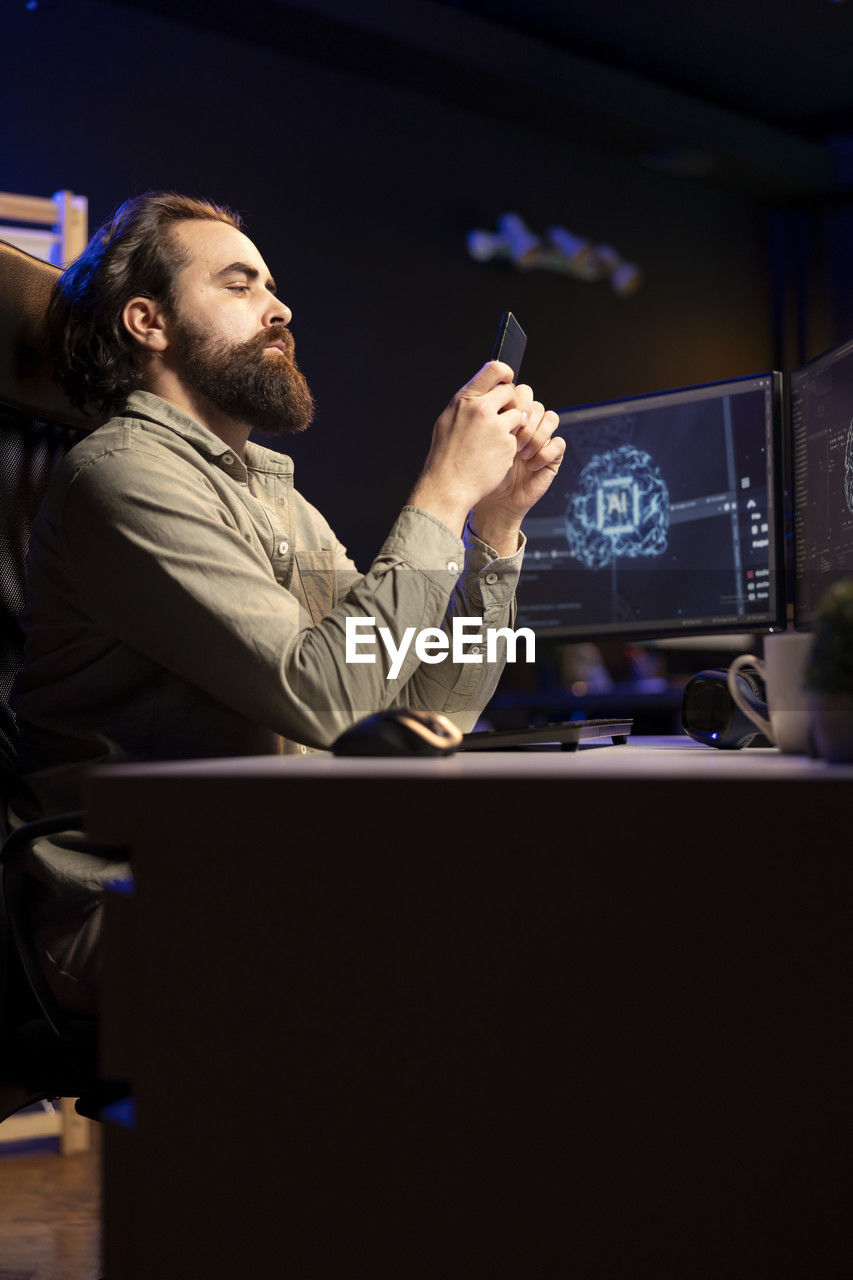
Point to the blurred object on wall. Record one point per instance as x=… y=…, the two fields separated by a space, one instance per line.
x=559 y=250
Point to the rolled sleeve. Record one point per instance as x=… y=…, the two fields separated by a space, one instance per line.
x=426 y=544
x=497 y=577
x=484 y=590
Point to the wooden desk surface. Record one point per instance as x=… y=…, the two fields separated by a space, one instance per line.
x=581 y=1015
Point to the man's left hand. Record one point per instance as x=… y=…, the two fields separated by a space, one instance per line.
x=537 y=460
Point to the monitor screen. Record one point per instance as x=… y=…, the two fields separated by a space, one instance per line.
x=665 y=518
x=822 y=456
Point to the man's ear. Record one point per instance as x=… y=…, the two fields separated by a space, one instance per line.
x=145 y=321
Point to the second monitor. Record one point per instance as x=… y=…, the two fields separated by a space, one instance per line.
x=822 y=447
x=665 y=519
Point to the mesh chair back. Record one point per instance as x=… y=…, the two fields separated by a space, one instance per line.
x=30 y=449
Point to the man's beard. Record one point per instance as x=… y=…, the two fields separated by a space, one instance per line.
x=267 y=392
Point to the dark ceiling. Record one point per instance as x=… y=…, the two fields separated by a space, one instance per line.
x=754 y=94
x=788 y=63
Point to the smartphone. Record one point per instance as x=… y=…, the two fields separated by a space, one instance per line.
x=511 y=343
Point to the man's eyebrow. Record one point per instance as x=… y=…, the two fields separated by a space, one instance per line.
x=250 y=272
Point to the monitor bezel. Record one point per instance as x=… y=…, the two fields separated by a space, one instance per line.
x=775 y=618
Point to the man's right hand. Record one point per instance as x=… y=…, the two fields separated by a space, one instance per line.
x=473 y=446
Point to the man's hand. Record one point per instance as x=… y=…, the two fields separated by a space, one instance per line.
x=474 y=443
x=497 y=517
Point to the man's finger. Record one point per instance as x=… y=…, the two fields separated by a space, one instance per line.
x=550 y=455
x=524 y=396
x=541 y=428
x=527 y=405
x=512 y=419
x=488 y=377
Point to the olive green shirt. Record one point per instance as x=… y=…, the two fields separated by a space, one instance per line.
x=184 y=602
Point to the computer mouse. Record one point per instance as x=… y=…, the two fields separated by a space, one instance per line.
x=399 y=731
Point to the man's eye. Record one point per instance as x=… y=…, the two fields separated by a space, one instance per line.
x=238 y=288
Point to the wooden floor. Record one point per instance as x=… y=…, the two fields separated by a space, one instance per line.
x=50 y=1223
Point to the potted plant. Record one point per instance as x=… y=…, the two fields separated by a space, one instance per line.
x=829 y=675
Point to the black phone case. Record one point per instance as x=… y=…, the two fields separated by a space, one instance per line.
x=511 y=343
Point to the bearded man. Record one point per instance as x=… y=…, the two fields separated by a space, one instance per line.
x=184 y=599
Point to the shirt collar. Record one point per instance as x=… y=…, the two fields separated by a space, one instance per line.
x=145 y=404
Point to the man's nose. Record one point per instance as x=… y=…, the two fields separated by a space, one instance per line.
x=278 y=313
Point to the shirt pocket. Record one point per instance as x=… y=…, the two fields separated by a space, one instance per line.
x=315 y=572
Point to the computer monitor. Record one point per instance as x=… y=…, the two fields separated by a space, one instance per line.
x=822 y=458
x=666 y=518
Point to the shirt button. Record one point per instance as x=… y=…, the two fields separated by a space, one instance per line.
x=303 y=750
x=228 y=459
x=452 y=566
x=282 y=548
x=491 y=578
x=475 y=648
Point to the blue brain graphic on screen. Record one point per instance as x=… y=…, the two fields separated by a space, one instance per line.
x=848 y=470
x=620 y=508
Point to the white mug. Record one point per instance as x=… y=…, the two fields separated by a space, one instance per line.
x=788 y=713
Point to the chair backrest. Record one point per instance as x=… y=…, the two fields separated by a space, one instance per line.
x=26 y=381
x=37 y=426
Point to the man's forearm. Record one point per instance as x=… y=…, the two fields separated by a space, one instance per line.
x=497 y=529
x=462 y=689
x=437 y=500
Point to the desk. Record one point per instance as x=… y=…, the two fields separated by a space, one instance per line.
x=529 y=1015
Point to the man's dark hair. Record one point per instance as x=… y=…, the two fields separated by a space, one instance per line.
x=95 y=359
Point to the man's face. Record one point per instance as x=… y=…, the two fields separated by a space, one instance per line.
x=228 y=337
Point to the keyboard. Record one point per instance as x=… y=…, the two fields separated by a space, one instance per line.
x=567 y=734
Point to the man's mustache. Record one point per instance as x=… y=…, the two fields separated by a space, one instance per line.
x=276 y=337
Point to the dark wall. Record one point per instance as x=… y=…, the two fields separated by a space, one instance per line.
x=839 y=242
x=360 y=196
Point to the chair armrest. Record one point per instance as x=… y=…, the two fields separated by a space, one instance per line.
x=12 y=862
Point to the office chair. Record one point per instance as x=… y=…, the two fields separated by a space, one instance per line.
x=44 y=1053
